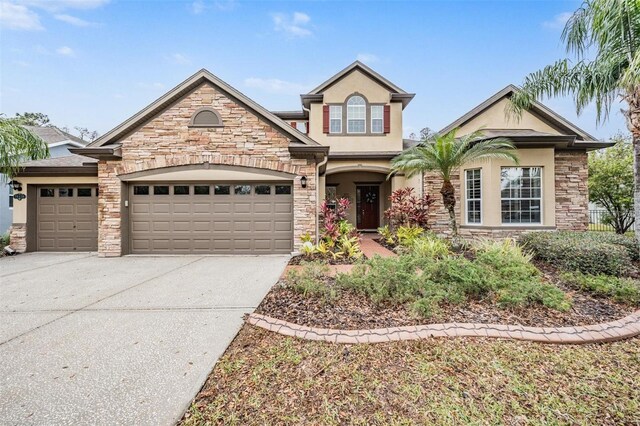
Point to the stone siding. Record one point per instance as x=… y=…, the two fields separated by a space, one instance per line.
x=166 y=140
x=18 y=237
x=572 y=193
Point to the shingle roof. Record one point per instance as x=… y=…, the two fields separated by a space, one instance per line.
x=51 y=135
x=72 y=160
x=409 y=143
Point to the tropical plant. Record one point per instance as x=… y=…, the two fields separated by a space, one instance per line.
x=611 y=184
x=408 y=209
x=407 y=235
x=604 y=38
x=445 y=154
x=18 y=144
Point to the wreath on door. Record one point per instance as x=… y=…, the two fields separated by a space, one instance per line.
x=370 y=197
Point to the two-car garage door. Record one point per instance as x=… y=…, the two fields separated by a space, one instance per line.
x=210 y=217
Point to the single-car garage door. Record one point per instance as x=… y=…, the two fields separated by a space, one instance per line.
x=211 y=217
x=67 y=218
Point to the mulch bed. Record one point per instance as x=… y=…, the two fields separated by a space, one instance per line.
x=352 y=311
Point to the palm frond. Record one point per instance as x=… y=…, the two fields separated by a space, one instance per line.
x=17 y=144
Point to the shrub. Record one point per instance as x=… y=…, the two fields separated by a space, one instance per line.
x=387 y=234
x=430 y=246
x=4 y=239
x=582 y=251
x=623 y=290
x=407 y=235
x=408 y=209
x=501 y=272
x=310 y=280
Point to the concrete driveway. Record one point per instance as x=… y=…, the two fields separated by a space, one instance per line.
x=130 y=340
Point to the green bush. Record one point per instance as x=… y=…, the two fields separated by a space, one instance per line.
x=407 y=235
x=588 y=252
x=500 y=273
x=310 y=280
x=623 y=290
x=4 y=240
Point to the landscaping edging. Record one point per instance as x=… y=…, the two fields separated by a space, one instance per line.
x=624 y=328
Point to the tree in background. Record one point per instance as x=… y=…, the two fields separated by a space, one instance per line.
x=604 y=37
x=425 y=133
x=33 y=119
x=91 y=135
x=445 y=154
x=611 y=183
x=18 y=144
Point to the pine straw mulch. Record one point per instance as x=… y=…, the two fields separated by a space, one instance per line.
x=352 y=311
x=267 y=378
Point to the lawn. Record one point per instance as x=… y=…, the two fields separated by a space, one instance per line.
x=266 y=378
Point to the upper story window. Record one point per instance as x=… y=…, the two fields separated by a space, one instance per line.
x=377 y=118
x=335 y=119
x=356 y=115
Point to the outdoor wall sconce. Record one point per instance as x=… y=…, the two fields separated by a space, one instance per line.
x=17 y=186
x=303 y=181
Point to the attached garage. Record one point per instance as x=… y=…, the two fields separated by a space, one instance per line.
x=210 y=217
x=67 y=218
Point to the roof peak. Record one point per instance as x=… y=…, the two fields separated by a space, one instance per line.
x=350 y=68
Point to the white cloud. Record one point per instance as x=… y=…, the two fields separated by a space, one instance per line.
x=558 y=21
x=179 y=58
x=225 y=4
x=73 y=20
x=274 y=85
x=65 y=51
x=19 y=17
x=21 y=63
x=295 y=25
x=367 y=57
x=197 y=7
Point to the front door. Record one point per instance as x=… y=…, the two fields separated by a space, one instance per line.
x=367 y=206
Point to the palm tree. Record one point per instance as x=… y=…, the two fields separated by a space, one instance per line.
x=604 y=38
x=18 y=144
x=445 y=154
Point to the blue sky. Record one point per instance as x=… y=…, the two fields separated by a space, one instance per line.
x=93 y=63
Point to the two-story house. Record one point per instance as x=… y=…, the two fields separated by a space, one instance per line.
x=205 y=169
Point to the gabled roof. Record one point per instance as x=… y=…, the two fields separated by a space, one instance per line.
x=200 y=77
x=537 y=108
x=357 y=65
x=55 y=137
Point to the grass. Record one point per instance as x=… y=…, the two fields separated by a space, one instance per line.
x=622 y=290
x=265 y=378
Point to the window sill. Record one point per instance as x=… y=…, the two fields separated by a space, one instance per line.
x=541 y=227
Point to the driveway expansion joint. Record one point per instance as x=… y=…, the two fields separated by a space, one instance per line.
x=624 y=328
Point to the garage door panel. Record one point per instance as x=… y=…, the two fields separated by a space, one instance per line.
x=211 y=223
x=67 y=223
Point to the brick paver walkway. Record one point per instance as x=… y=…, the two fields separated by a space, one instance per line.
x=624 y=328
x=370 y=248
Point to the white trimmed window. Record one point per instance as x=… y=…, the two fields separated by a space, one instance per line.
x=521 y=195
x=377 y=118
x=335 y=119
x=473 y=186
x=356 y=115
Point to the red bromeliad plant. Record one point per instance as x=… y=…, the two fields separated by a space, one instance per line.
x=334 y=220
x=408 y=209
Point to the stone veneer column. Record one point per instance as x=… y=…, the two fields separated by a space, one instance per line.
x=109 y=210
x=18 y=237
x=438 y=215
x=572 y=193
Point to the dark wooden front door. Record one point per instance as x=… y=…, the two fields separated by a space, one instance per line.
x=367 y=206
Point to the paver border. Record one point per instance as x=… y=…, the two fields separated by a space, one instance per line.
x=623 y=328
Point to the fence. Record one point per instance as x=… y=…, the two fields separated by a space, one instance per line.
x=595 y=221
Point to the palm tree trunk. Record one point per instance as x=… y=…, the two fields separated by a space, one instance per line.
x=449 y=200
x=633 y=122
